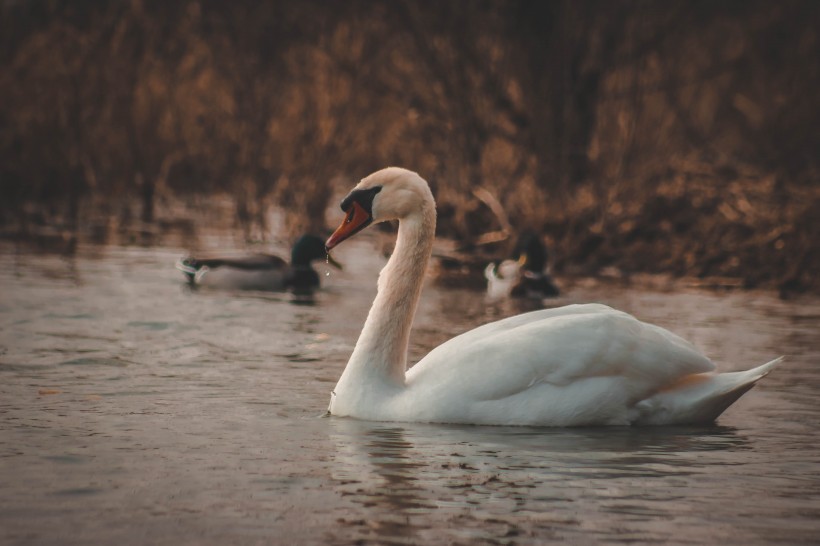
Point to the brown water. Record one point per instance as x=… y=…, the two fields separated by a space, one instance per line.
x=134 y=411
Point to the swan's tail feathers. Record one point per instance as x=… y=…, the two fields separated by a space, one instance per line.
x=762 y=371
x=699 y=398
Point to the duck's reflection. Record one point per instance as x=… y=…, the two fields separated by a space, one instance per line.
x=305 y=298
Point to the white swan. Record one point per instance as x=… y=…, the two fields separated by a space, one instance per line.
x=574 y=365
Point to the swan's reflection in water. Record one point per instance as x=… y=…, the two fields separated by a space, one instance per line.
x=376 y=467
x=413 y=482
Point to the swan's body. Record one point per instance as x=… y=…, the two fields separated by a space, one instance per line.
x=258 y=271
x=574 y=365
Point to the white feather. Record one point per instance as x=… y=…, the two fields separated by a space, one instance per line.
x=574 y=365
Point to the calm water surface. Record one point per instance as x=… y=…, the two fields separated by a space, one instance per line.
x=134 y=411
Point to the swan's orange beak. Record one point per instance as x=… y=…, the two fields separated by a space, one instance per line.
x=356 y=220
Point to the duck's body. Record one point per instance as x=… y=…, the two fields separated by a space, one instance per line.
x=574 y=365
x=258 y=271
x=508 y=279
x=525 y=276
x=501 y=278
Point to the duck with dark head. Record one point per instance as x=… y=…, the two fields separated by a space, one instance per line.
x=260 y=271
x=526 y=274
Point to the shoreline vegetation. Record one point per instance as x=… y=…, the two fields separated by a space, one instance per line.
x=675 y=139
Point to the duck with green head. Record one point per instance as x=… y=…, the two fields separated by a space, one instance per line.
x=524 y=276
x=260 y=271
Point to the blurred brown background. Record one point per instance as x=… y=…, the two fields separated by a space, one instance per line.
x=637 y=136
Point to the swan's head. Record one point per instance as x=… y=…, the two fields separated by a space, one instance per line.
x=389 y=194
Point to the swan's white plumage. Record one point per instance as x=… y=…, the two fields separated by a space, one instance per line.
x=574 y=365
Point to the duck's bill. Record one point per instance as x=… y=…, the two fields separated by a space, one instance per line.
x=356 y=220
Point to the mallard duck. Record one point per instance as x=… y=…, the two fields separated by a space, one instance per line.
x=260 y=271
x=524 y=276
x=574 y=365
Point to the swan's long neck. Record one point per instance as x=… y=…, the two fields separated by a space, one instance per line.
x=381 y=352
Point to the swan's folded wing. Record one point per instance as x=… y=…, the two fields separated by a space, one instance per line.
x=557 y=346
